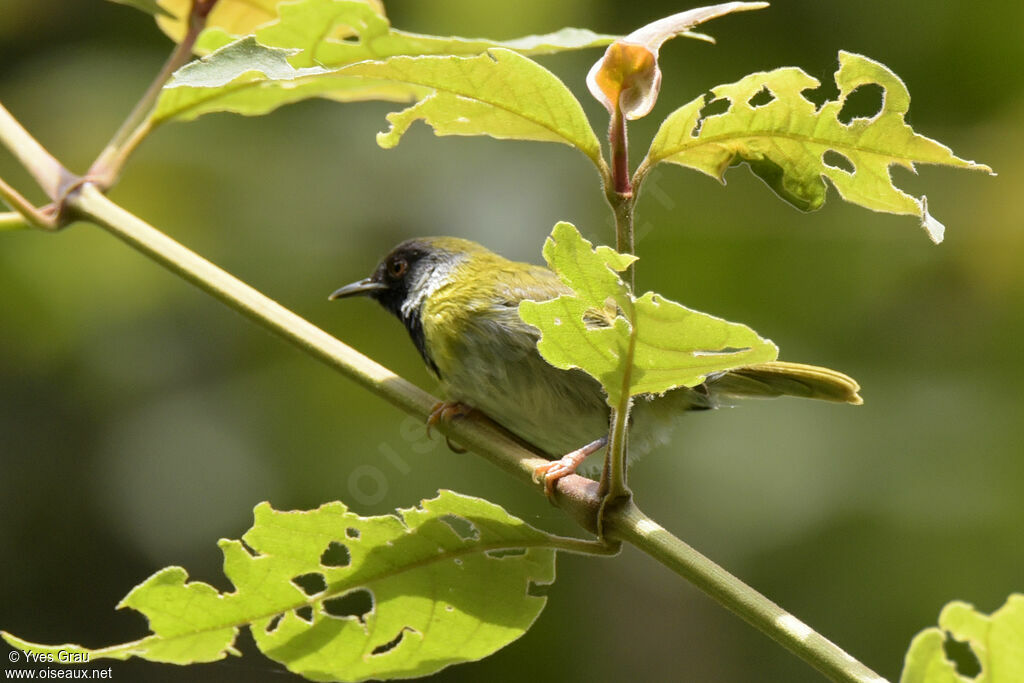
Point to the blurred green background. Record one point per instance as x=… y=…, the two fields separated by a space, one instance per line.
x=140 y=420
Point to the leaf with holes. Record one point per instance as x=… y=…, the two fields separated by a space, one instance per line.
x=996 y=643
x=790 y=144
x=335 y=596
x=632 y=346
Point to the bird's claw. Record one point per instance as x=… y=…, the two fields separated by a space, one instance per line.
x=552 y=471
x=446 y=411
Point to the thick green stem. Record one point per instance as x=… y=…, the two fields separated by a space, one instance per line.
x=619 y=145
x=620 y=192
x=613 y=479
x=628 y=524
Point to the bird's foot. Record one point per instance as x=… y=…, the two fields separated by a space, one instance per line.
x=566 y=465
x=446 y=411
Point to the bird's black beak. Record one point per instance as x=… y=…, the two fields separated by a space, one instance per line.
x=363 y=287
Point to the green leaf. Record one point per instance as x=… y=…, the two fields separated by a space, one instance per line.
x=335 y=596
x=997 y=641
x=148 y=6
x=501 y=94
x=315 y=27
x=793 y=146
x=631 y=346
x=248 y=78
x=232 y=18
x=296 y=55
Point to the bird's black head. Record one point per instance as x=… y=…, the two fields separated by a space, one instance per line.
x=392 y=278
x=407 y=276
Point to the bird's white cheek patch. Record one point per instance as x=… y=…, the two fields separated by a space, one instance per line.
x=428 y=280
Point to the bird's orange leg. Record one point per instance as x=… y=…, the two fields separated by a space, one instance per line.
x=446 y=411
x=566 y=465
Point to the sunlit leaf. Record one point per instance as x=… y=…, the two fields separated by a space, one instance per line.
x=233 y=17
x=248 y=78
x=793 y=146
x=501 y=94
x=628 y=76
x=997 y=641
x=314 y=27
x=335 y=596
x=631 y=346
x=294 y=57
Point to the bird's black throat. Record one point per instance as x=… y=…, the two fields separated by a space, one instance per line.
x=414 y=324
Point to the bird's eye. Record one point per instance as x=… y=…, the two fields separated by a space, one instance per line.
x=397 y=267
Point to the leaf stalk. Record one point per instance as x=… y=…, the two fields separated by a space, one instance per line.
x=106 y=169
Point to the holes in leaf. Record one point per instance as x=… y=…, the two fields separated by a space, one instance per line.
x=391 y=644
x=336 y=555
x=305 y=613
x=864 y=102
x=764 y=96
x=352 y=532
x=311 y=583
x=506 y=552
x=714 y=107
x=357 y=603
x=462 y=527
x=962 y=656
x=538 y=590
x=272 y=624
x=834 y=159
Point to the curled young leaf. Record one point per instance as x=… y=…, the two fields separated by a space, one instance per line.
x=627 y=77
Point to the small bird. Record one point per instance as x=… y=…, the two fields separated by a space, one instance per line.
x=460 y=304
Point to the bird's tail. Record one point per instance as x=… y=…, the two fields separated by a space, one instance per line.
x=777 y=378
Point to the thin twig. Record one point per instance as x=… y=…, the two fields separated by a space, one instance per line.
x=53 y=178
x=12 y=220
x=139 y=123
x=24 y=209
